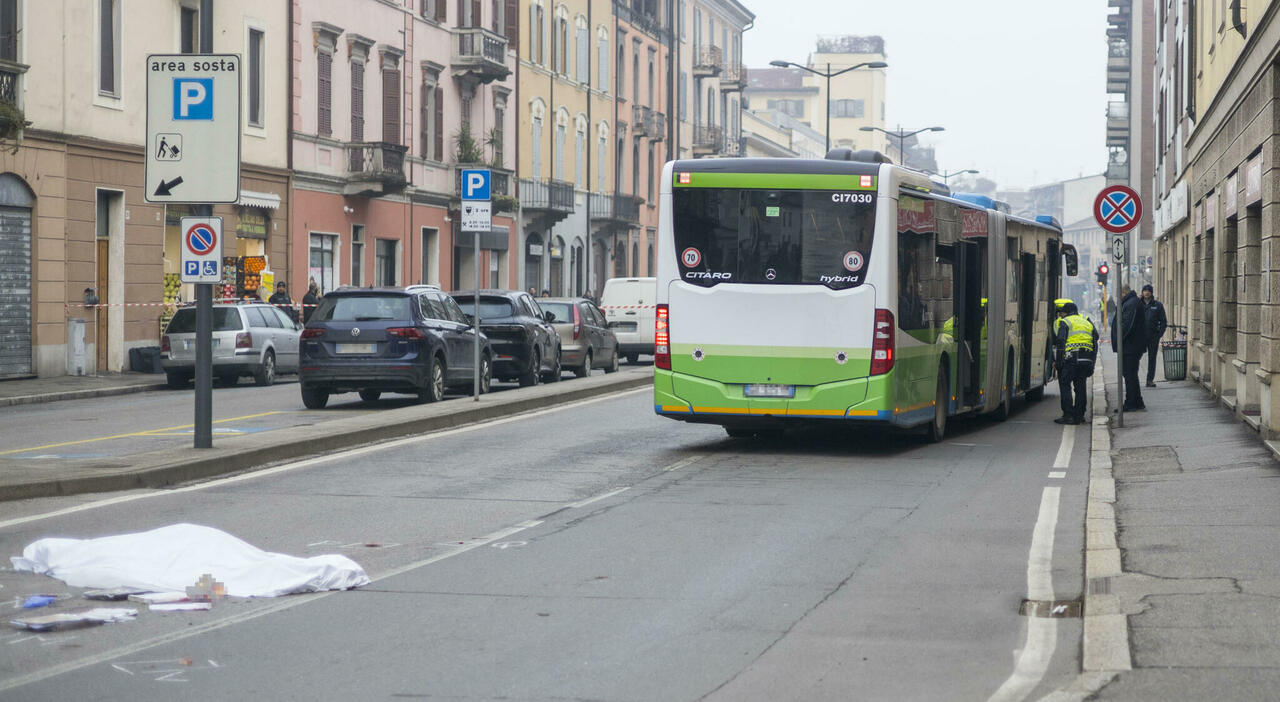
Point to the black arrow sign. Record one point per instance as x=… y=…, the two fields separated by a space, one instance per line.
x=163 y=189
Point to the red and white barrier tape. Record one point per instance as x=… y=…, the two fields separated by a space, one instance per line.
x=628 y=307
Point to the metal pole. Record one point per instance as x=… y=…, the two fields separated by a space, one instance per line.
x=1120 y=335
x=828 y=107
x=475 y=338
x=203 y=429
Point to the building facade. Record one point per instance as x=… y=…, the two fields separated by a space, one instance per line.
x=74 y=223
x=709 y=77
x=1131 y=141
x=1224 y=258
x=390 y=101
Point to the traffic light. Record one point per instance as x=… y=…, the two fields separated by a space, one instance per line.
x=1103 y=269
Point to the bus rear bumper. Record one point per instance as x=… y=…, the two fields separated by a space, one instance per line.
x=694 y=399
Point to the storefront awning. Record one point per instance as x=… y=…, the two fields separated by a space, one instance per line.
x=267 y=201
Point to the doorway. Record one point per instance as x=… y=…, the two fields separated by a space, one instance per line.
x=15 y=268
x=1026 y=317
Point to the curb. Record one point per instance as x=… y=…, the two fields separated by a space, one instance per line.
x=79 y=394
x=1106 y=627
x=167 y=467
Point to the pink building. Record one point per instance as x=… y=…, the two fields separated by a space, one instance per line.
x=390 y=99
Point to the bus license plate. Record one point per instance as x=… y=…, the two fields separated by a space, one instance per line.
x=355 y=348
x=769 y=390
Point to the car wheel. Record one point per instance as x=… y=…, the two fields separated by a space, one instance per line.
x=177 y=381
x=266 y=375
x=584 y=370
x=632 y=358
x=613 y=364
x=557 y=372
x=534 y=375
x=314 y=398
x=370 y=395
x=486 y=374
x=434 y=391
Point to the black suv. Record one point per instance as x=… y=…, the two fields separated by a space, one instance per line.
x=373 y=340
x=525 y=345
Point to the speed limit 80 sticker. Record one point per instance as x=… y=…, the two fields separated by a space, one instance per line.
x=691 y=257
x=853 y=261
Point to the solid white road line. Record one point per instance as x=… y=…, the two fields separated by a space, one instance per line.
x=311 y=461
x=597 y=498
x=1068 y=444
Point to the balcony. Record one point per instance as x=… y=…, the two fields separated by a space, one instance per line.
x=616 y=209
x=1117 y=171
x=734 y=78
x=374 y=168
x=546 y=195
x=1117 y=123
x=479 y=55
x=708 y=140
x=641 y=121
x=11 y=82
x=658 y=130
x=707 y=61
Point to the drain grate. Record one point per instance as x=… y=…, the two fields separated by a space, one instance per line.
x=1051 y=609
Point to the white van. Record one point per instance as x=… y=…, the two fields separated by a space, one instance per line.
x=629 y=306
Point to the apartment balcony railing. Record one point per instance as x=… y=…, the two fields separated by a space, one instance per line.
x=733 y=78
x=499 y=179
x=707 y=61
x=615 y=208
x=479 y=54
x=658 y=128
x=1118 y=110
x=708 y=139
x=641 y=120
x=546 y=195
x=374 y=168
x=11 y=82
x=1117 y=171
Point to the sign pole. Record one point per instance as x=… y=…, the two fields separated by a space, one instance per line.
x=476 y=337
x=476 y=212
x=204 y=366
x=1118 y=208
x=1120 y=337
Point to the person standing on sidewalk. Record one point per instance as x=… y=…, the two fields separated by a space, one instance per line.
x=1075 y=349
x=310 y=300
x=1131 y=324
x=1157 y=322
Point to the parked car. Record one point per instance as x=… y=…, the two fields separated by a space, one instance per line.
x=248 y=339
x=630 y=305
x=586 y=342
x=526 y=348
x=373 y=340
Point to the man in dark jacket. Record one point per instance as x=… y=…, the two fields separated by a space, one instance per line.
x=310 y=300
x=1130 y=323
x=1157 y=322
x=282 y=300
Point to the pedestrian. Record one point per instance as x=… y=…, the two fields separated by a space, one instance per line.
x=1110 y=313
x=282 y=300
x=1075 y=349
x=310 y=300
x=1130 y=325
x=546 y=292
x=1157 y=323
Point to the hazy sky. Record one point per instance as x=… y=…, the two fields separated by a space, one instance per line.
x=1020 y=85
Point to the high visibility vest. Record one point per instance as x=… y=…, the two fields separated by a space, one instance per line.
x=1080 y=336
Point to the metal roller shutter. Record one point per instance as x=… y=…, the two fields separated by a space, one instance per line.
x=15 y=291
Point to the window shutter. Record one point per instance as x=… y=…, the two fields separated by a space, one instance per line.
x=442 y=11
x=475 y=14
x=391 y=106
x=513 y=24
x=438 y=134
x=584 y=57
x=533 y=33
x=496 y=9
x=357 y=102
x=424 y=116
x=602 y=81
x=324 y=64
x=462 y=13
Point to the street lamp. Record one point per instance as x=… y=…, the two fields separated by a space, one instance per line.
x=829 y=75
x=902 y=137
x=946 y=177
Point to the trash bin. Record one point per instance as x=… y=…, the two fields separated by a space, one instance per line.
x=1175 y=359
x=145 y=359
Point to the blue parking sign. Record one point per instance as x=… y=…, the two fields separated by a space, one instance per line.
x=191 y=268
x=193 y=98
x=475 y=184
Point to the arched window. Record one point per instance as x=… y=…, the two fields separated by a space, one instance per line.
x=584 y=50
x=650 y=270
x=635 y=168
x=580 y=151
x=562 y=127
x=602 y=51
x=635 y=260
x=711 y=107
x=533 y=262
x=560 y=48
x=537 y=110
x=602 y=166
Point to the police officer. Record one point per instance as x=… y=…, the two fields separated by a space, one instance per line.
x=1075 y=348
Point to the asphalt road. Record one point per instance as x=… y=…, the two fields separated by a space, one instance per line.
x=126 y=425
x=597 y=551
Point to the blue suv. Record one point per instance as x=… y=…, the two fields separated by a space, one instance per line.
x=373 y=340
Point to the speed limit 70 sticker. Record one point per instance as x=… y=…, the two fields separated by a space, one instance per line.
x=853 y=261
x=691 y=257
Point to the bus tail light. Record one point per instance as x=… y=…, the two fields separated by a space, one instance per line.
x=577 y=322
x=882 y=343
x=662 y=338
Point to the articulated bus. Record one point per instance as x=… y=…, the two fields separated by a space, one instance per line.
x=846 y=288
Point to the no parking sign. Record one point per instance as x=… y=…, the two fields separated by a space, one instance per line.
x=201 y=249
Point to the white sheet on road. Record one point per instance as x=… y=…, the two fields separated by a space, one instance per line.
x=174 y=557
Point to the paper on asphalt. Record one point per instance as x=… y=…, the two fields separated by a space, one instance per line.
x=170 y=558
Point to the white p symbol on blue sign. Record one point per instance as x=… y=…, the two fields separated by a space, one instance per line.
x=475 y=184
x=193 y=98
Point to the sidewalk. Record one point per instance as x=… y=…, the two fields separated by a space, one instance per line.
x=1197 y=506
x=76 y=387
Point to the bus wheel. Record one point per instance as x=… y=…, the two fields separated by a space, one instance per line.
x=1006 y=396
x=938 y=427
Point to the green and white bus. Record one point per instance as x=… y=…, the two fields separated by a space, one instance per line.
x=846 y=289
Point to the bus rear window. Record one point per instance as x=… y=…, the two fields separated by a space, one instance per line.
x=773 y=237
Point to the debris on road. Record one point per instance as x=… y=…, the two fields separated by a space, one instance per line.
x=74 y=620
x=182 y=607
x=112 y=594
x=170 y=558
x=37 y=601
x=155 y=598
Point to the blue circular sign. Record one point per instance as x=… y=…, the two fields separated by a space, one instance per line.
x=201 y=239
